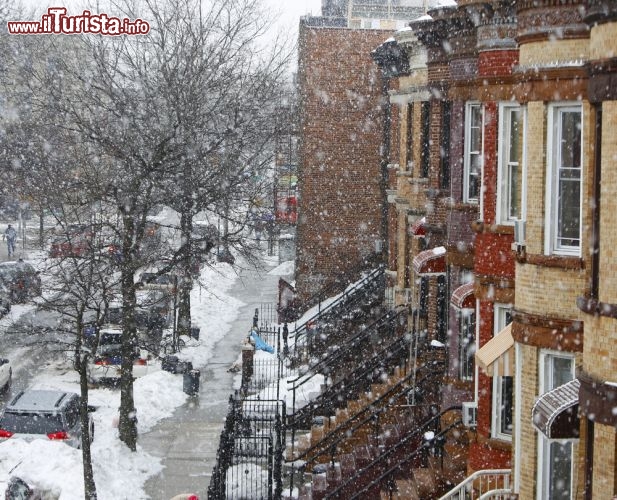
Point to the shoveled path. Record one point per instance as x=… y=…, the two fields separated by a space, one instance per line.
x=189 y=439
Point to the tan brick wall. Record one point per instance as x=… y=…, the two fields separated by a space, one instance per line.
x=549 y=291
x=608 y=229
x=603 y=42
x=536 y=176
x=401 y=246
x=552 y=51
x=601 y=336
x=604 y=462
x=402 y=136
x=529 y=442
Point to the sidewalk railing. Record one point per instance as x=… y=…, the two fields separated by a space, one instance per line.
x=481 y=482
x=250 y=454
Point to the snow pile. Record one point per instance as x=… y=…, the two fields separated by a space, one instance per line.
x=57 y=468
x=284 y=269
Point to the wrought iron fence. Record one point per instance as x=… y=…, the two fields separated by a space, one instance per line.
x=250 y=454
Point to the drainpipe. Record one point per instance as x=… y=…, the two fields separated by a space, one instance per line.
x=385 y=159
x=595 y=211
x=595 y=281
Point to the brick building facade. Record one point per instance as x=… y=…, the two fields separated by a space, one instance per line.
x=340 y=181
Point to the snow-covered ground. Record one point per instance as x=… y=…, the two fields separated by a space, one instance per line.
x=119 y=474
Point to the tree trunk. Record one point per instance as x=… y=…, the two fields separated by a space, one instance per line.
x=128 y=413
x=81 y=364
x=185 y=282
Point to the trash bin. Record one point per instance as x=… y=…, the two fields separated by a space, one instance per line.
x=170 y=364
x=183 y=367
x=191 y=382
x=195 y=332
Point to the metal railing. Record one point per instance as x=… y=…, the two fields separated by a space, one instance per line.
x=480 y=483
x=369 y=413
x=353 y=383
x=366 y=268
x=352 y=296
x=499 y=494
x=250 y=454
x=335 y=358
x=399 y=467
x=392 y=461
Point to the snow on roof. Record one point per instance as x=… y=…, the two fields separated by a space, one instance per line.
x=439 y=251
x=425 y=17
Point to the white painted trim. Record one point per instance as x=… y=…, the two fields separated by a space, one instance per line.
x=550 y=224
x=541 y=441
x=476 y=369
x=466 y=147
x=503 y=138
x=518 y=377
x=498 y=325
x=524 y=165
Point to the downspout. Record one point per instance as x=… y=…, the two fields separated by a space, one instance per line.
x=385 y=158
x=595 y=280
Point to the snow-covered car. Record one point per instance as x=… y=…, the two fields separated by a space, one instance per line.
x=18 y=489
x=6 y=374
x=19 y=280
x=44 y=413
x=154 y=281
x=106 y=363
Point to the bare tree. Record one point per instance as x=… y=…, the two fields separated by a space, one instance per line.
x=181 y=117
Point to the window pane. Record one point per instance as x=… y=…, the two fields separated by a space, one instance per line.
x=514 y=137
x=569 y=180
x=513 y=194
x=467 y=344
x=507 y=389
x=560 y=467
x=474 y=176
x=562 y=371
x=571 y=139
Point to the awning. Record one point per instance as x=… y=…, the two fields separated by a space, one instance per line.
x=463 y=297
x=431 y=261
x=418 y=228
x=555 y=413
x=496 y=357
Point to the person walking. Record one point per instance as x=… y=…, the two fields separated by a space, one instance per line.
x=11 y=237
x=285 y=336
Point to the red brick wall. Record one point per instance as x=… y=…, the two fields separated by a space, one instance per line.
x=490 y=162
x=340 y=202
x=496 y=63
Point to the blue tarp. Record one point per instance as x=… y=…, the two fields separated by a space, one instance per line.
x=260 y=344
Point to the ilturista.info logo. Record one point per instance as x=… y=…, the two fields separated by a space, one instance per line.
x=58 y=22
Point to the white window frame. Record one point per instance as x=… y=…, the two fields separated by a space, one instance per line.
x=503 y=170
x=468 y=153
x=499 y=323
x=464 y=316
x=546 y=383
x=552 y=245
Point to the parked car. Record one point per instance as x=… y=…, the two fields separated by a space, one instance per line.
x=106 y=363
x=154 y=281
x=19 y=281
x=6 y=374
x=69 y=246
x=38 y=413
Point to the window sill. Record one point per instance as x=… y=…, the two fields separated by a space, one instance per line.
x=554 y=261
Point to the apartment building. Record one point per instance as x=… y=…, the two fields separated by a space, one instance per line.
x=500 y=157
